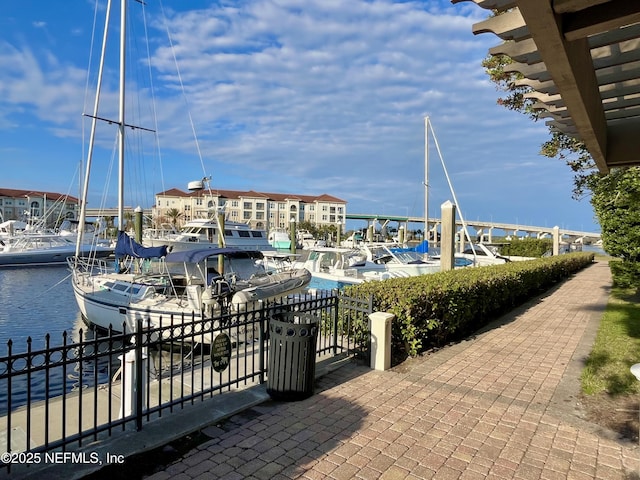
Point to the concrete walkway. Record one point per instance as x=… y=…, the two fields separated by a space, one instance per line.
x=500 y=405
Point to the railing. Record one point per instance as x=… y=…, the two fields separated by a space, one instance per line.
x=63 y=396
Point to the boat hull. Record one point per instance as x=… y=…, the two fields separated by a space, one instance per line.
x=112 y=308
x=45 y=257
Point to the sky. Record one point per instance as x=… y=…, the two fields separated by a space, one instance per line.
x=285 y=96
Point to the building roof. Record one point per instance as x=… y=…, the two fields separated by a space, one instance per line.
x=16 y=193
x=238 y=194
x=582 y=60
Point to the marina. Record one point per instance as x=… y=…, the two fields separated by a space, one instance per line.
x=83 y=386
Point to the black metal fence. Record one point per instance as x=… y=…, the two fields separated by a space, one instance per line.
x=64 y=396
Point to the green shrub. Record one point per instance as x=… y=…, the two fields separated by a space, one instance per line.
x=432 y=310
x=526 y=247
x=625 y=274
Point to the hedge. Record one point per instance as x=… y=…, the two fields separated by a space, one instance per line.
x=432 y=310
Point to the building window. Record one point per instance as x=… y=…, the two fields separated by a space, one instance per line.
x=247 y=205
x=259 y=215
x=281 y=205
x=247 y=215
x=259 y=206
x=235 y=203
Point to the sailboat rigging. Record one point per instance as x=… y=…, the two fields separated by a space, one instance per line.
x=475 y=250
x=151 y=283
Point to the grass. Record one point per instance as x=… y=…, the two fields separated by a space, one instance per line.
x=616 y=348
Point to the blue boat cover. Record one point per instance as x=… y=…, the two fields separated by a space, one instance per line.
x=128 y=246
x=422 y=247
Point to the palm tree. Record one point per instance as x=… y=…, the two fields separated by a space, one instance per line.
x=173 y=214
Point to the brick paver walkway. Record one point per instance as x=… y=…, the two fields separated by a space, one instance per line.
x=499 y=405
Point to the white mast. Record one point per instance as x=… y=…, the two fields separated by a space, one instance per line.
x=123 y=26
x=426 y=179
x=92 y=136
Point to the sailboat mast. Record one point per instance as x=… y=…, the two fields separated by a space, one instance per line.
x=426 y=179
x=121 y=124
x=94 y=119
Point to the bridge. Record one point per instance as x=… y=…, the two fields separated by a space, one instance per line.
x=483 y=229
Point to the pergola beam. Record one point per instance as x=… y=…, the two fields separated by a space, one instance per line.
x=571 y=68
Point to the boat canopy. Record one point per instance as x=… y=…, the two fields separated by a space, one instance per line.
x=196 y=256
x=422 y=247
x=128 y=246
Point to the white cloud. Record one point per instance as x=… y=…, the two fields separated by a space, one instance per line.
x=321 y=96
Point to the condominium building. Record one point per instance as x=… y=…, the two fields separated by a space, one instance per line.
x=261 y=210
x=33 y=206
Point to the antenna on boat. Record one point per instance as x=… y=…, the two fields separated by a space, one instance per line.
x=198 y=185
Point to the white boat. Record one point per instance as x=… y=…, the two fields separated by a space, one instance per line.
x=203 y=233
x=162 y=288
x=41 y=249
x=11 y=228
x=398 y=260
x=336 y=267
x=481 y=255
x=279 y=239
x=307 y=241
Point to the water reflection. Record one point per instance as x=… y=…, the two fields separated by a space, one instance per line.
x=82 y=357
x=96 y=355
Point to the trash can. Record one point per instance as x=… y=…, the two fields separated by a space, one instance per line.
x=291 y=368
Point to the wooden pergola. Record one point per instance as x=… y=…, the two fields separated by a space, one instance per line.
x=581 y=59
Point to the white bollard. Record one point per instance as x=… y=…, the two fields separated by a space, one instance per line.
x=380 y=328
x=128 y=382
x=556 y=241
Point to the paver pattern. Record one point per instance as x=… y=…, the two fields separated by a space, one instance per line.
x=499 y=405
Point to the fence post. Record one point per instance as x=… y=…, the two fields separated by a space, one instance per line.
x=380 y=328
x=264 y=308
x=336 y=314
x=133 y=365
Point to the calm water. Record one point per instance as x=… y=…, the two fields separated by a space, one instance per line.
x=34 y=302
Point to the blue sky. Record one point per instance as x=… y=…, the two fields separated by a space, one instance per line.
x=320 y=96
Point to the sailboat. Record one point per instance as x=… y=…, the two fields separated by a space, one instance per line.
x=474 y=254
x=155 y=285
